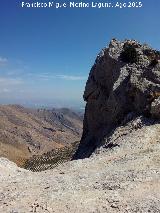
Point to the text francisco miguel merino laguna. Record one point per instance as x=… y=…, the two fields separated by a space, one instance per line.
x=64 y=4
x=81 y=4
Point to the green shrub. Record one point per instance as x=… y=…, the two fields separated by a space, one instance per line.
x=51 y=159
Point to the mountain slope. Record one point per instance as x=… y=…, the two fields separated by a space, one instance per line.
x=63 y=118
x=25 y=132
x=122 y=177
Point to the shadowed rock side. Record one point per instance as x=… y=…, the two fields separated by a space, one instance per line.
x=123 y=82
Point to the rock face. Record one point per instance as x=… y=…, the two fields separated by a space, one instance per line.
x=123 y=82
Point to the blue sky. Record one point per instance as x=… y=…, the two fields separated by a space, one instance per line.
x=46 y=54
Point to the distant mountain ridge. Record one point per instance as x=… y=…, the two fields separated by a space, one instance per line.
x=64 y=118
x=26 y=132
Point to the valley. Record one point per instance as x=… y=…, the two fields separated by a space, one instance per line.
x=26 y=132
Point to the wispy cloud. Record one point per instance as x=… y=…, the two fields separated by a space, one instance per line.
x=10 y=81
x=5 y=90
x=45 y=76
x=10 y=86
x=49 y=76
x=3 y=60
x=15 y=72
x=71 y=77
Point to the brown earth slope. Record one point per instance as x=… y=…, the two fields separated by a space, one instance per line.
x=25 y=132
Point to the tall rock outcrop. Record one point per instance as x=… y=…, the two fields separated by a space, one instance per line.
x=123 y=82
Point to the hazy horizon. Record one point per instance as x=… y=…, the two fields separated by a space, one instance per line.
x=46 y=104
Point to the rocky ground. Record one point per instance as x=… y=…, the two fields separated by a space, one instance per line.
x=122 y=176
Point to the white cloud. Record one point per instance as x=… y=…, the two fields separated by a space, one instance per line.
x=10 y=81
x=3 y=60
x=71 y=77
x=49 y=76
x=45 y=76
x=15 y=72
x=5 y=90
x=10 y=86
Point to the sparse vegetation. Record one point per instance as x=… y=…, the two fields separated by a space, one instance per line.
x=129 y=55
x=51 y=159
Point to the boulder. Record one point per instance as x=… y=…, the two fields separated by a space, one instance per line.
x=124 y=79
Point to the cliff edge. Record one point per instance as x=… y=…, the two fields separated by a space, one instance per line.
x=123 y=83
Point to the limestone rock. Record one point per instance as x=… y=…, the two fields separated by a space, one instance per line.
x=155 y=108
x=124 y=79
x=123 y=177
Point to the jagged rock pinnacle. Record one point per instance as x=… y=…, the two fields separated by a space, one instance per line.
x=124 y=79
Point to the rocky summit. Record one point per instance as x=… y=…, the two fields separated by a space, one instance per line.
x=123 y=82
x=121 y=138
